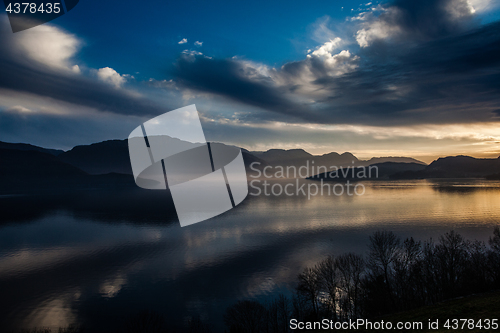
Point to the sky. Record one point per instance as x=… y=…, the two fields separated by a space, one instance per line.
x=388 y=78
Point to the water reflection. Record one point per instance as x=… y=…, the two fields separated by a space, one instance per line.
x=99 y=257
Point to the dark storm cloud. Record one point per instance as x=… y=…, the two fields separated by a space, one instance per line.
x=442 y=76
x=439 y=66
x=428 y=19
x=229 y=78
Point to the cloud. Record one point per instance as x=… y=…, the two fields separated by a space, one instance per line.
x=229 y=78
x=19 y=109
x=49 y=46
x=322 y=33
x=328 y=47
x=63 y=131
x=288 y=89
x=197 y=43
x=426 y=62
x=377 y=29
x=191 y=53
x=76 y=69
x=482 y=5
x=415 y=20
x=183 y=41
x=111 y=76
x=51 y=73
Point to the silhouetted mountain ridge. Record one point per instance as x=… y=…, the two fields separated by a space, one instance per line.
x=100 y=158
x=281 y=155
x=460 y=167
x=376 y=171
x=444 y=167
x=298 y=158
x=26 y=166
x=27 y=146
x=113 y=156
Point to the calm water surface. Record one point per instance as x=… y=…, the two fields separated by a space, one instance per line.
x=98 y=258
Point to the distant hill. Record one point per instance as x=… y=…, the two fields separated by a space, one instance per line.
x=446 y=167
x=457 y=167
x=376 y=171
x=113 y=156
x=100 y=158
x=396 y=159
x=299 y=157
x=248 y=159
x=463 y=166
x=26 y=146
x=273 y=156
x=337 y=159
x=25 y=166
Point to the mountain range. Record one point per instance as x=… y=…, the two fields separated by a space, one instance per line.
x=112 y=156
x=104 y=164
x=456 y=167
x=446 y=167
x=299 y=157
x=28 y=147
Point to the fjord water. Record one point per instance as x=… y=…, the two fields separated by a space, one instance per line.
x=98 y=258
